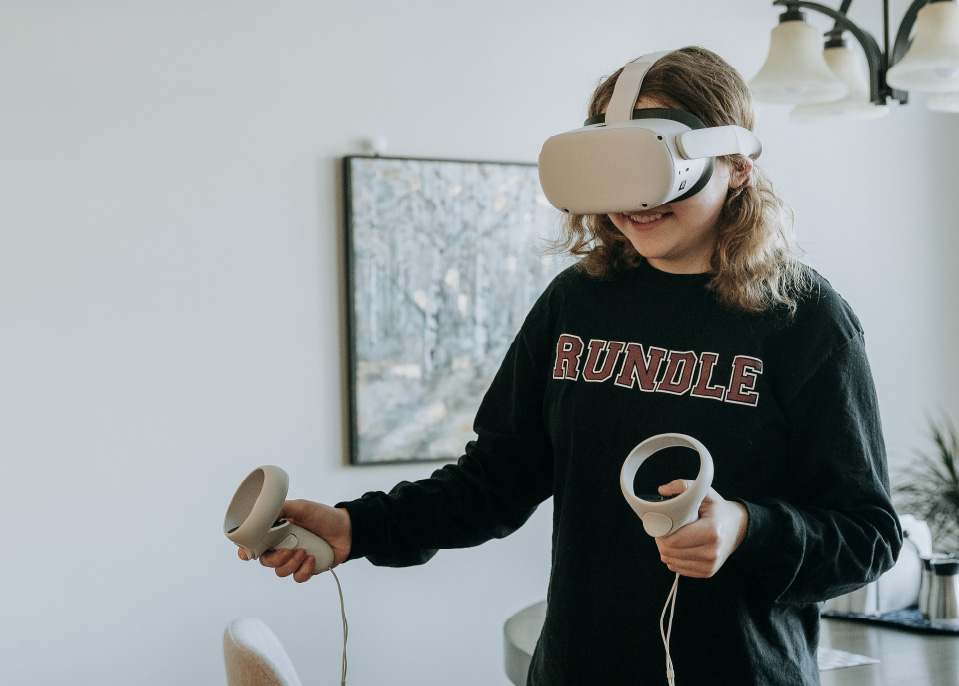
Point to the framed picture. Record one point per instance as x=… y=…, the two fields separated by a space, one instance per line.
x=444 y=259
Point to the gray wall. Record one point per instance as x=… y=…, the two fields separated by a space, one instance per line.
x=170 y=292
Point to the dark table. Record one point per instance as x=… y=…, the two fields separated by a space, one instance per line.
x=907 y=657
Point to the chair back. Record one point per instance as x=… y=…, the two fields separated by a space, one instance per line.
x=254 y=656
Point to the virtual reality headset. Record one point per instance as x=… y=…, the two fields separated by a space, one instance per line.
x=630 y=159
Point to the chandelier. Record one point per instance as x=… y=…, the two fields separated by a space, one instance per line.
x=828 y=84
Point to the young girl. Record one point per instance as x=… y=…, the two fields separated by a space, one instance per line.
x=692 y=317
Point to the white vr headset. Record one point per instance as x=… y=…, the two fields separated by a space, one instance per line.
x=630 y=159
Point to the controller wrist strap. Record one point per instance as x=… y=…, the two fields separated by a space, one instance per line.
x=666 y=630
x=346 y=627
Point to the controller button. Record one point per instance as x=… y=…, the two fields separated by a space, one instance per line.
x=288 y=542
x=657 y=524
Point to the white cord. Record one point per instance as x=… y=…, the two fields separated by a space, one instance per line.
x=346 y=628
x=666 y=631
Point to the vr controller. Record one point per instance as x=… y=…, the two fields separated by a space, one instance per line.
x=661 y=518
x=630 y=159
x=252 y=519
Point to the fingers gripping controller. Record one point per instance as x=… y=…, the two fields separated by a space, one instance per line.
x=252 y=519
x=665 y=517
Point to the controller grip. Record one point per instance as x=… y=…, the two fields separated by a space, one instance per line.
x=313 y=545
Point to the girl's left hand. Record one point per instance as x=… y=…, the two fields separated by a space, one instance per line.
x=700 y=548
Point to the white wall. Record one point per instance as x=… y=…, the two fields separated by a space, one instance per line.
x=171 y=309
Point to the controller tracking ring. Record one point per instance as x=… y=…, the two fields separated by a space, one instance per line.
x=255 y=507
x=665 y=517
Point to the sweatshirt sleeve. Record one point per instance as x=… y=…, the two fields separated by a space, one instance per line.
x=489 y=493
x=839 y=530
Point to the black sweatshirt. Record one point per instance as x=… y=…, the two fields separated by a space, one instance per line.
x=788 y=411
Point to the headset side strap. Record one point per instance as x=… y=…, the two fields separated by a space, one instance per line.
x=718 y=141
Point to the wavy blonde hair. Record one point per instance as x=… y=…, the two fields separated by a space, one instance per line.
x=754 y=265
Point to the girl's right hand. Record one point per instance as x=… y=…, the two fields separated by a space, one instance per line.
x=329 y=523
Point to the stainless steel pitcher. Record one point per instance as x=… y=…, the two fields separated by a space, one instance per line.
x=944 y=592
x=925 y=586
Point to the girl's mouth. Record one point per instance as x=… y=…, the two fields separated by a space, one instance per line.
x=645 y=218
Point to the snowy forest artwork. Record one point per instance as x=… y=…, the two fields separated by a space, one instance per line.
x=444 y=260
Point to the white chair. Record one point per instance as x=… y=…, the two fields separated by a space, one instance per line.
x=521 y=633
x=254 y=656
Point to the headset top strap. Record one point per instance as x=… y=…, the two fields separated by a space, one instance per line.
x=626 y=91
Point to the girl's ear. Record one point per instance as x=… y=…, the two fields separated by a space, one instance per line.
x=740 y=171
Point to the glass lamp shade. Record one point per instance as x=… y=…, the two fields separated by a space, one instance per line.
x=944 y=102
x=795 y=71
x=856 y=106
x=932 y=62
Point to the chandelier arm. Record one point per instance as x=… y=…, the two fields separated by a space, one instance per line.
x=836 y=33
x=885 y=32
x=878 y=88
x=905 y=28
x=903 y=41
